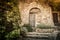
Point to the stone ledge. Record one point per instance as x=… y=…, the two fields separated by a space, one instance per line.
x=45 y=30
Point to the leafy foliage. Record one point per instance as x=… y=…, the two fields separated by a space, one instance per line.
x=54 y=5
x=13 y=34
x=27 y=27
x=43 y=26
x=9 y=18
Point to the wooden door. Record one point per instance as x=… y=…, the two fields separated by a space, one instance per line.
x=55 y=17
x=32 y=19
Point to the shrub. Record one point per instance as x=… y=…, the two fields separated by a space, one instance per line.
x=28 y=27
x=13 y=35
x=43 y=26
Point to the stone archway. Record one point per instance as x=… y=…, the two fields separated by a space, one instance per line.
x=32 y=16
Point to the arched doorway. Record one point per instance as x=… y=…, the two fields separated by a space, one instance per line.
x=32 y=16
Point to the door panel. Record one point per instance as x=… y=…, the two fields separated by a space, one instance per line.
x=32 y=20
x=55 y=17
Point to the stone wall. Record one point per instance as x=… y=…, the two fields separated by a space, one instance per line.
x=59 y=17
x=44 y=16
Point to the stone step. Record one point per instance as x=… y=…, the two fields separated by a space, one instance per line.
x=36 y=38
x=35 y=34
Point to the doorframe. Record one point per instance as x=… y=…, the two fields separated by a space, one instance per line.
x=34 y=13
x=57 y=13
